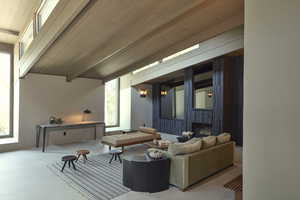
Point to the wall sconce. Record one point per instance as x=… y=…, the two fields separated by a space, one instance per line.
x=209 y=94
x=163 y=92
x=143 y=93
x=85 y=114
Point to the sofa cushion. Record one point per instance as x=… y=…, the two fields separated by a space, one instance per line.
x=124 y=139
x=223 y=138
x=148 y=130
x=209 y=141
x=193 y=140
x=184 y=148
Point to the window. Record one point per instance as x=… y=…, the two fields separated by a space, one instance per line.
x=5 y=95
x=44 y=11
x=112 y=103
x=26 y=39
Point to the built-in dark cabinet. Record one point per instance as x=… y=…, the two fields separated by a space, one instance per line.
x=220 y=83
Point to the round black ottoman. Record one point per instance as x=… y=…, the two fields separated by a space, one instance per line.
x=143 y=174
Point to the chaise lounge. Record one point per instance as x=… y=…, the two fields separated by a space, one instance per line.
x=143 y=135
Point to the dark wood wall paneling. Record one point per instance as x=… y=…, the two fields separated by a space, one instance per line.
x=238 y=100
x=227 y=112
x=172 y=126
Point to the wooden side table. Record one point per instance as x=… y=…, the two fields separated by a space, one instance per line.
x=82 y=153
x=70 y=160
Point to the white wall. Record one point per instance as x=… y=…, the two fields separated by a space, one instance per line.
x=271 y=108
x=42 y=96
x=141 y=107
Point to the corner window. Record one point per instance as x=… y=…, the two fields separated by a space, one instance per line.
x=44 y=12
x=5 y=95
x=112 y=103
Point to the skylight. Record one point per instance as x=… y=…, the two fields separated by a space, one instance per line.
x=181 y=52
x=146 y=67
x=167 y=58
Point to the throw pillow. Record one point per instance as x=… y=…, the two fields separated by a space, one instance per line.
x=193 y=140
x=148 y=130
x=184 y=148
x=223 y=138
x=209 y=141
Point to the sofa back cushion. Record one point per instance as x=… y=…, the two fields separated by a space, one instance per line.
x=223 y=138
x=209 y=141
x=184 y=148
x=148 y=130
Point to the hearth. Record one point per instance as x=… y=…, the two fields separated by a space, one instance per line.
x=201 y=129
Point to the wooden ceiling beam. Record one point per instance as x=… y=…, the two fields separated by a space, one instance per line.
x=63 y=15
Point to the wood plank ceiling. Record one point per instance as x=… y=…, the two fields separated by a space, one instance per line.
x=111 y=38
x=14 y=17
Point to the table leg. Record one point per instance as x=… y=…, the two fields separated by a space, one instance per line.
x=44 y=138
x=38 y=133
x=62 y=169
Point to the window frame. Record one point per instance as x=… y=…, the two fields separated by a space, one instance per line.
x=118 y=106
x=7 y=48
x=38 y=24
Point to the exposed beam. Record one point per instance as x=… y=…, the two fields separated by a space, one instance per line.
x=155 y=31
x=210 y=32
x=217 y=46
x=10 y=32
x=62 y=16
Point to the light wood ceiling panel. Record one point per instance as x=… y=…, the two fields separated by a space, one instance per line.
x=112 y=35
x=210 y=14
x=106 y=27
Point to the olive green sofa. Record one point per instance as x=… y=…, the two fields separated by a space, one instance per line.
x=191 y=168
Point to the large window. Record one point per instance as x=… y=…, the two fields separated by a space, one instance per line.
x=112 y=103
x=5 y=95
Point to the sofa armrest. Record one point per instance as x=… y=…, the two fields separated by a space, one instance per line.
x=178 y=169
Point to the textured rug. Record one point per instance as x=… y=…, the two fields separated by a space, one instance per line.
x=236 y=184
x=96 y=179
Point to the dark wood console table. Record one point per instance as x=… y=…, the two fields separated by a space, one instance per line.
x=47 y=128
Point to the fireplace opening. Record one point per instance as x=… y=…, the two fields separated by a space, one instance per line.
x=201 y=129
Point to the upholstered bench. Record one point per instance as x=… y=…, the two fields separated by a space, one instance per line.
x=144 y=134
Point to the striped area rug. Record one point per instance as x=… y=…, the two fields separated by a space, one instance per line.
x=96 y=179
x=236 y=184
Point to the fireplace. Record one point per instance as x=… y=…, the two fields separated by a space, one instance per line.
x=201 y=129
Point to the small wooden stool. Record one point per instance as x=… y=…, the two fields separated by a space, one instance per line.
x=70 y=160
x=82 y=153
x=115 y=154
